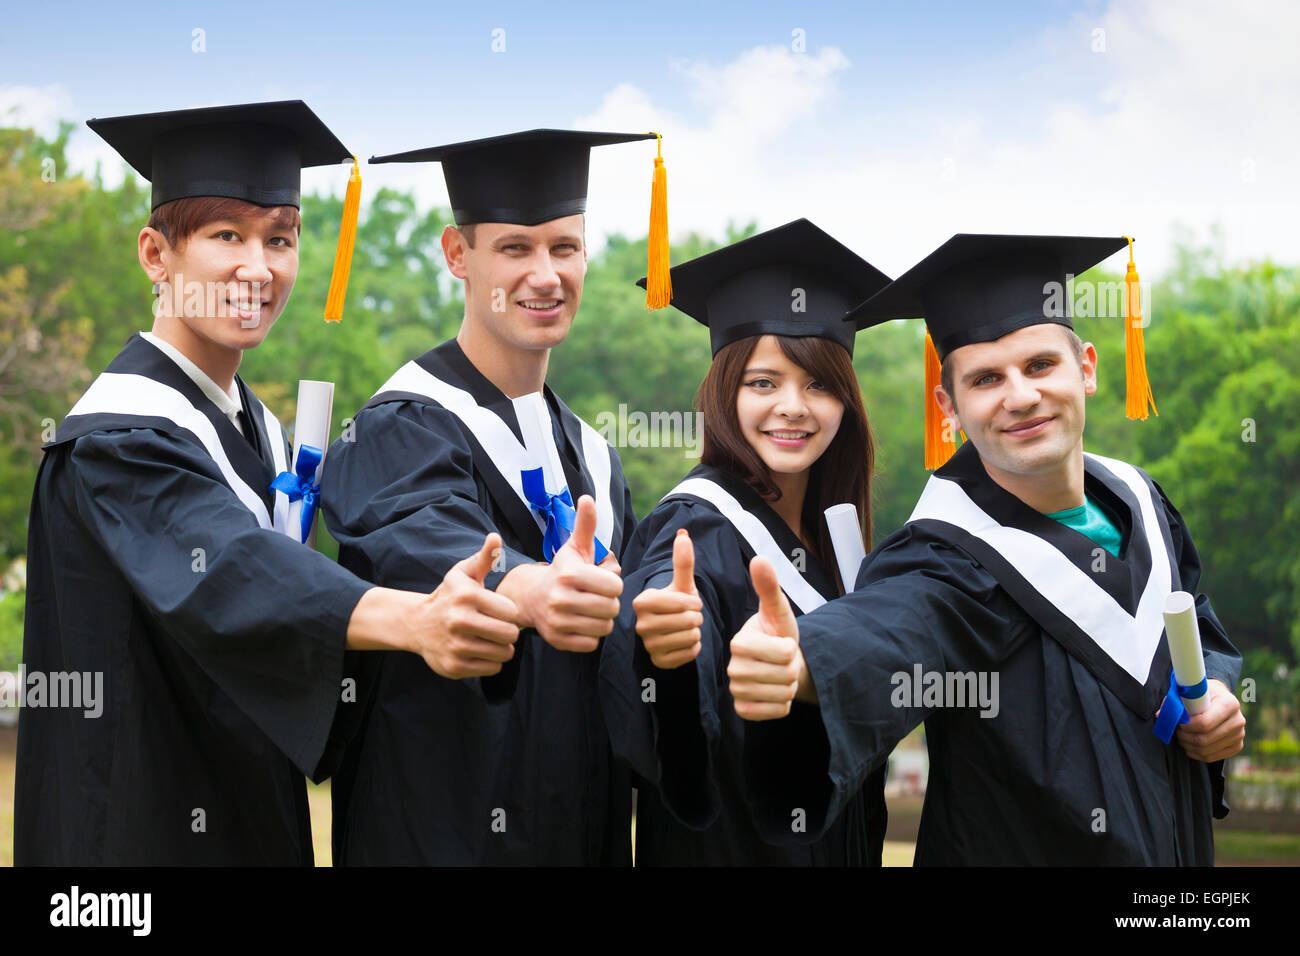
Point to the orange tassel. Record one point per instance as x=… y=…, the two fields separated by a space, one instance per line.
x=938 y=448
x=343 y=252
x=1137 y=388
x=659 y=284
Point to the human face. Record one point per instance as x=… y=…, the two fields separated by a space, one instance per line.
x=785 y=415
x=1020 y=399
x=523 y=283
x=230 y=280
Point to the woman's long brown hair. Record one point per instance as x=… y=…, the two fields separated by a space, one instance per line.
x=842 y=473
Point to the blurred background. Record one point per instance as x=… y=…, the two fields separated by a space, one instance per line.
x=891 y=127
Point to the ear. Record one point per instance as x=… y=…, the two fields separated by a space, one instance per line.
x=153 y=250
x=1089 y=363
x=946 y=405
x=454 y=247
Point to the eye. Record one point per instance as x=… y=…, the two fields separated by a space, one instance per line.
x=1040 y=365
x=817 y=386
x=760 y=383
x=515 y=247
x=566 y=247
x=984 y=380
x=227 y=235
x=284 y=241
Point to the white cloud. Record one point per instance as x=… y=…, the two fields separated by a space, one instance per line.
x=42 y=108
x=719 y=169
x=1185 y=120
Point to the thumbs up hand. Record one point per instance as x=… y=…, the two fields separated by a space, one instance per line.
x=669 y=619
x=572 y=602
x=462 y=629
x=766 y=664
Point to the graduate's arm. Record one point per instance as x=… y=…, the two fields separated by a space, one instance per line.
x=687 y=726
x=918 y=609
x=1219 y=731
x=263 y=616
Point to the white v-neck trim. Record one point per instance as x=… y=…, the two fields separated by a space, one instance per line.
x=227 y=402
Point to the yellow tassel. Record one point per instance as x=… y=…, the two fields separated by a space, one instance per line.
x=343 y=252
x=1137 y=388
x=938 y=448
x=659 y=284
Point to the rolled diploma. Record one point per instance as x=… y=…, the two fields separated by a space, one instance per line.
x=1185 y=646
x=846 y=539
x=312 y=427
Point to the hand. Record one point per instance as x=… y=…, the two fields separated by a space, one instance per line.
x=1217 y=732
x=766 y=663
x=462 y=629
x=571 y=602
x=669 y=619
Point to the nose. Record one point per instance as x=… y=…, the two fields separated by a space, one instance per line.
x=253 y=268
x=1021 y=393
x=542 y=275
x=790 y=402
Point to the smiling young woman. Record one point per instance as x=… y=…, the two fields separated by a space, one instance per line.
x=800 y=481
x=785 y=436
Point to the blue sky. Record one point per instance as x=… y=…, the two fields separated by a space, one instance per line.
x=891 y=125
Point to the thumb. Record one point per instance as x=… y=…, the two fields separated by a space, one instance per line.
x=584 y=530
x=477 y=566
x=683 y=563
x=773 y=608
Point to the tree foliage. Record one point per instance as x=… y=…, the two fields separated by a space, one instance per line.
x=1221 y=349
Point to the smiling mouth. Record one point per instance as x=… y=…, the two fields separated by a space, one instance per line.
x=245 y=305
x=788 y=436
x=1028 y=427
x=541 y=305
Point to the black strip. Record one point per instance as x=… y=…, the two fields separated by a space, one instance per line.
x=995 y=330
x=520 y=217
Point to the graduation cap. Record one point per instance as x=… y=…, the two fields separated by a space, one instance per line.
x=254 y=152
x=978 y=288
x=793 y=280
x=535 y=176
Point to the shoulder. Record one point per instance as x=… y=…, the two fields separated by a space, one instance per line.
x=393 y=419
x=927 y=557
x=709 y=530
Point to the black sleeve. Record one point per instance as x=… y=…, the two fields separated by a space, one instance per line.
x=401 y=500
x=674 y=730
x=916 y=604
x=263 y=616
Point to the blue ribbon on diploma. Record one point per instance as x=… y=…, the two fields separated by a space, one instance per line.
x=303 y=485
x=1174 y=711
x=558 y=511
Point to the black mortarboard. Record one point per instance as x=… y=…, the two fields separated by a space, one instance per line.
x=253 y=152
x=978 y=288
x=522 y=178
x=792 y=280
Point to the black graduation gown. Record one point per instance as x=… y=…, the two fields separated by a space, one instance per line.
x=221 y=666
x=685 y=743
x=1069 y=770
x=511 y=769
